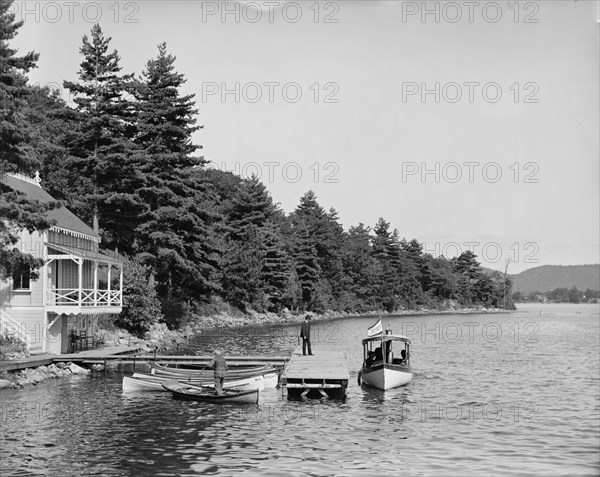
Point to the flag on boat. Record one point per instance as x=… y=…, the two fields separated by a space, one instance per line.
x=375 y=329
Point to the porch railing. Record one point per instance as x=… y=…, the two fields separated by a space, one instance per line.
x=89 y=297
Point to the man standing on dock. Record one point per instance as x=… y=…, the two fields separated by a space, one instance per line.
x=305 y=335
x=220 y=366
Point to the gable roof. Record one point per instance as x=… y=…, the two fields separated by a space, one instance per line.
x=66 y=221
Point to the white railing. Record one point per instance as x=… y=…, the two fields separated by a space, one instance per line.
x=11 y=327
x=89 y=297
x=115 y=296
x=63 y=296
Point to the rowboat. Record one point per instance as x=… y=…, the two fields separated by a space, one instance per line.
x=269 y=373
x=156 y=368
x=381 y=368
x=141 y=382
x=196 y=393
x=199 y=366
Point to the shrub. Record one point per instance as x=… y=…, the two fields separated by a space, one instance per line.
x=9 y=345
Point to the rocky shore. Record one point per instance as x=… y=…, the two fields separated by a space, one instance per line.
x=225 y=320
x=28 y=376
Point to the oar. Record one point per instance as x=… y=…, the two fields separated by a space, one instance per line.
x=196 y=386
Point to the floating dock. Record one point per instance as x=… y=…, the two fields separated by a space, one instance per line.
x=324 y=374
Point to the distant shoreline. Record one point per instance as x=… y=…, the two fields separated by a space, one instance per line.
x=264 y=319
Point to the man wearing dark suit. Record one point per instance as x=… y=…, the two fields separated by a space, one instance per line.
x=305 y=335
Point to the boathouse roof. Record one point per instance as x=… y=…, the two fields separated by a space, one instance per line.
x=65 y=220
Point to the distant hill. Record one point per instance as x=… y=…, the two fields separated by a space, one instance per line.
x=548 y=277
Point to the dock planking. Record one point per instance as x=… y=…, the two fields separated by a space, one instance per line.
x=135 y=356
x=97 y=356
x=323 y=374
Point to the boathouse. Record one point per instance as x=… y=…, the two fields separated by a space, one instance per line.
x=77 y=282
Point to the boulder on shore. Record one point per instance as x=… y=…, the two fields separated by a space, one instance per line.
x=78 y=369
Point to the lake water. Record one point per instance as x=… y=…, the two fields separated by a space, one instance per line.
x=493 y=394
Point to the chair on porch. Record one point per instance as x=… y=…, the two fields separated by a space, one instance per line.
x=98 y=340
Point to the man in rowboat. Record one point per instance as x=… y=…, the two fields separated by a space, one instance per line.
x=220 y=366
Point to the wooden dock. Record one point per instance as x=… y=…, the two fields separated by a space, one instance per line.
x=324 y=374
x=174 y=360
x=97 y=355
x=132 y=356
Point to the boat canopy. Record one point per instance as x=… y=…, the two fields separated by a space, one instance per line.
x=386 y=337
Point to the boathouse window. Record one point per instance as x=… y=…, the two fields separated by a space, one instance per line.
x=21 y=278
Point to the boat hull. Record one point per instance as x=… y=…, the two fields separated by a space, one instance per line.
x=271 y=380
x=386 y=376
x=180 y=391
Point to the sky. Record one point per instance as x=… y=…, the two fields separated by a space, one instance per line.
x=466 y=125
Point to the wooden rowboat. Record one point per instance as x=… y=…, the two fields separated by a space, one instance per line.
x=196 y=393
x=270 y=373
x=140 y=382
x=245 y=371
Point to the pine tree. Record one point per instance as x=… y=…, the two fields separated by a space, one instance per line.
x=331 y=263
x=242 y=266
x=399 y=279
x=386 y=280
x=176 y=233
x=442 y=279
x=360 y=269
x=408 y=273
x=276 y=266
x=255 y=258
x=252 y=205
x=307 y=267
x=310 y=216
x=325 y=235
x=16 y=152
x=54 y=126
x=486 y=291
x=468 y=270
x=414 y=252
x=166 y=119
x=101 y=160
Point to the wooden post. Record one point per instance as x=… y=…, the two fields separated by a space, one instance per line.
x=108 y=286
x=45 y=284
x=95 y=282
x=121 y=286
x=80 y=277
